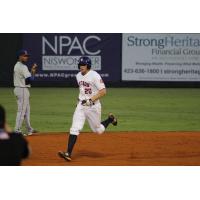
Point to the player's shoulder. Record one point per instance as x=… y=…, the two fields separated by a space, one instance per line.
x=78 y=74
x=17 y=64
x=91 y=73
x=17 y=67
x=94 y=73
x=20 y=65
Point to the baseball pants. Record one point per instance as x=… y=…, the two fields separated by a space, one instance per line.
x=90 y=113
x=23 y=111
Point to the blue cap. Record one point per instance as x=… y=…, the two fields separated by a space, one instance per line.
x=22 y=52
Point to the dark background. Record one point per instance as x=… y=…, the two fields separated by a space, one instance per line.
x=9 y=45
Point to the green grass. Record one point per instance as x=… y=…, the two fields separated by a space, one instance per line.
x=138 y=109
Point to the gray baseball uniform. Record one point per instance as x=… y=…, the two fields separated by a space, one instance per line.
x=22 y=94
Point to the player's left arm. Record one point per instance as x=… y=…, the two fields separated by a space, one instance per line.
x=31 y=77
x=100 y=94
x=99 y=84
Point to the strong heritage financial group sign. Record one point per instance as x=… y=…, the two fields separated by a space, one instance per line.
x=161 y=57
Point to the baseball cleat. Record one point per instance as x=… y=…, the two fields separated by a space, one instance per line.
x=64 y=155
x=19 y=132
x=113 y=118
x=31 y=132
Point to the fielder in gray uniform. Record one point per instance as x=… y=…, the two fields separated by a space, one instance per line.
x=22 y=83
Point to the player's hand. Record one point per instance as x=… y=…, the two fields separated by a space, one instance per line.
x=34 y=68
x=87 y=102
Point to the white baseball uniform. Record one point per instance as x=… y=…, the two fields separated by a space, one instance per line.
x=89 y=85
x=22 y=94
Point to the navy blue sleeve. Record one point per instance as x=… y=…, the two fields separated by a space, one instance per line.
x=29 y=80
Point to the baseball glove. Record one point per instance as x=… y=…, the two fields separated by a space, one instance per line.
x=34 y=68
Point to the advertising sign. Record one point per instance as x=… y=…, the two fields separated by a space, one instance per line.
x=161 y=57
x=57 y=55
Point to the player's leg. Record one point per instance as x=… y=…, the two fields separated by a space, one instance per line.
x=29 y=128
x=22 y=105
x=77 y=125
x=93 y=116
x=27 y=117
x=94 y=119
x=110 y=120
x=27 y=113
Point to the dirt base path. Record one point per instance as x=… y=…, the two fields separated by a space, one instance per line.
x=118 y=149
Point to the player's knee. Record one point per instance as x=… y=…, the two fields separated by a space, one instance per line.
x=74 y=131
x=19 y=109
x=100 y=129
x=22 y=108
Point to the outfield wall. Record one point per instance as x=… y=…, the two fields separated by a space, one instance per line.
x=123 y=60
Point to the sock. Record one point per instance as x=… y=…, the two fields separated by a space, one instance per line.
x=106 y=122
x=71 y=143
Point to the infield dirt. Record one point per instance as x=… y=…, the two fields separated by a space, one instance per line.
x=117 y=149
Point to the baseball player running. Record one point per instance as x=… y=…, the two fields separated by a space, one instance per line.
x=92 y=88
x=22 y=83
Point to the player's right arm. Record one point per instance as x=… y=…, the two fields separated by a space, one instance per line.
x=99 y=84
x=94 y=98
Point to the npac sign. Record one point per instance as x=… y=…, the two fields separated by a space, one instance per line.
x=57 y=55
x=62 y=52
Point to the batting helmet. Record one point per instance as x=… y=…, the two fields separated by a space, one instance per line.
x=84 y=61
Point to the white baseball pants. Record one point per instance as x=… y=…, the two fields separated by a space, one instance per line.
x=90 y=113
